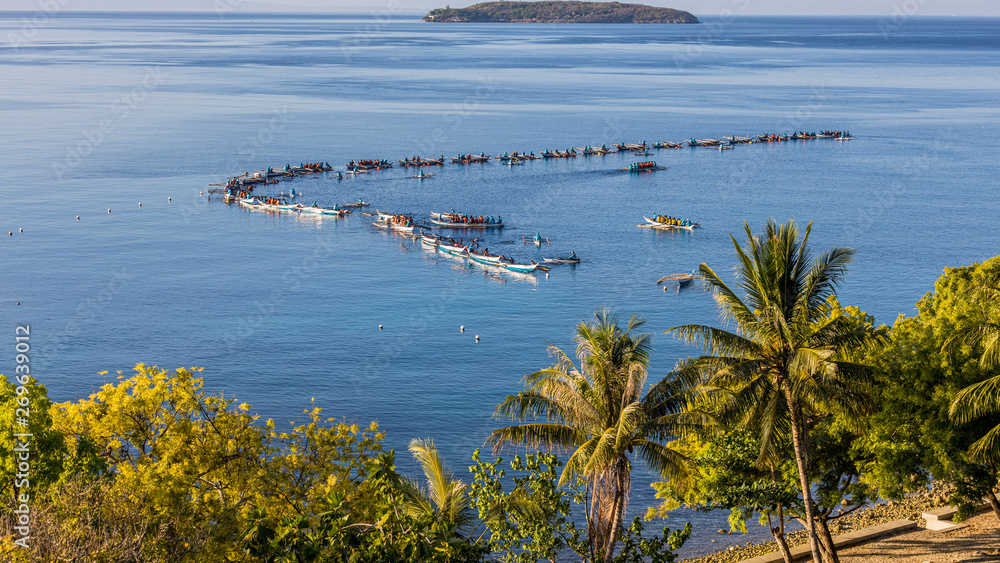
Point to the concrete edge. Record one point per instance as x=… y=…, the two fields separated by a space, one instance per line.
x=843 y=540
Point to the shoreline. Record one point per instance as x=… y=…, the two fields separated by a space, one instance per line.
x=911 y=508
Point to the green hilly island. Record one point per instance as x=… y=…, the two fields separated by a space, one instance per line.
x=560 y=12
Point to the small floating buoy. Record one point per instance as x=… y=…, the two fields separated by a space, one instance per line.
x=18 y=302
x=546 y=275
x=461 y=328
x=10 y=233
x=77 y=217
x=380 y=327
x=170 y=199
x=664 y=288
x=477 y=338
x=109 y=211
x=201 y=193
x=140 y=204
x=21 y=230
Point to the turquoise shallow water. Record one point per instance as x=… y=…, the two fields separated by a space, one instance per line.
x=106 y=111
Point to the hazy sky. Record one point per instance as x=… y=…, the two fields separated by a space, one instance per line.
x=697 y=7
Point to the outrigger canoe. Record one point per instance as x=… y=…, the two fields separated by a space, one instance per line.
x=562 y=260
x=315 y=209
x=463 y=225
x=658 y=225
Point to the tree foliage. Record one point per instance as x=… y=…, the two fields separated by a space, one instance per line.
x=923 y=368
x=598 y=412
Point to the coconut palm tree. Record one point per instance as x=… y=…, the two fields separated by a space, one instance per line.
x=597 y=411
x=781 y=368
x=443 y=501
x=983 y=398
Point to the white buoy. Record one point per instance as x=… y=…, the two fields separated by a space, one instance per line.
x=201 y=193
x=477 y=338
x=170 y=199
x=10 y=233
x=109 y=211
x=380 y=327
x=140 y=204
x=546 y=275
x=21 y=230
x=461 y=328
x=77 y=217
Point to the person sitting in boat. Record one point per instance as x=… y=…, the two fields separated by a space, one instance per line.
x=538 y=237
x=572 y=256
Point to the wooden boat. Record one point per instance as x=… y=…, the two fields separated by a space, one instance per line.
x=683 y=280
x=422 y=176
x=470 y=159
x=317 y=210
x=724 y=147
x=658 y=225
x=653 y=168
x=355 y=204
x=704 y=142
x=667 y=145
x=448 y=224
x=430 y=240
x=485 y=258
x=407 y=163
x=453 y=249
x=561 y=260
x=519 y=268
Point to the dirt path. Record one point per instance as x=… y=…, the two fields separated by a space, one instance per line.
x=979 y=543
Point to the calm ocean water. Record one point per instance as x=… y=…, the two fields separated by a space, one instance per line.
x=106 y=111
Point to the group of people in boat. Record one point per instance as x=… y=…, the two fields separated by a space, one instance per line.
x=642 y=165
x=471 y=219
x=417 y=161
x=673 y=221
x=316 y=166
x=518 y=156
x=570 y=152
x=623 y=146
x=465 y=158
x=400 y=219
x=370 y=164
x=486 y=252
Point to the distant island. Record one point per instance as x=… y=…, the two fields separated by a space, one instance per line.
x=560 y=12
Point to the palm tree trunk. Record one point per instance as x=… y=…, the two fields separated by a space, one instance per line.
x=801 y=459
x=779 y=536
x=622 y=481
x=994 y=504
x=829 y=551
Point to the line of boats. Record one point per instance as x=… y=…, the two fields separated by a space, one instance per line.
x=270 y=175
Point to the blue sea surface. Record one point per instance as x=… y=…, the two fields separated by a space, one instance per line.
x=107 y=111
